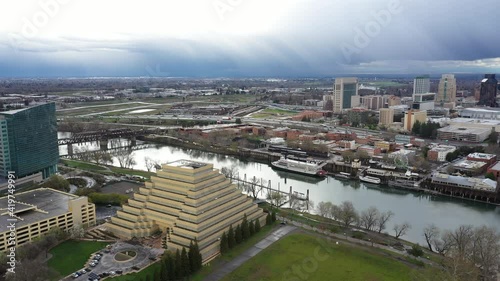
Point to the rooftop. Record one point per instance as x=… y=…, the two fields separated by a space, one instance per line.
x=468 y=164
x=442 y=148
x=35 y=205
x=476 y=121
x=472 y=183
x=485 y=156
x=496 y=167
x=187 y=164
x=463 y=130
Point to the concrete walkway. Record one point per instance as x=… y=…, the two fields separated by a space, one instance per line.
x=225 y=269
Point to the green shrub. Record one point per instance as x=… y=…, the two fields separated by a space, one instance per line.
x=105 y=199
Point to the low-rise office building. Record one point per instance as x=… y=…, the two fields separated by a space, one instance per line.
x=470 y=134
x=470 y=168
x=186 y=200
x=37 y=211
x=439 y=152
x=464 y=182
x=495 y=170
x=482 y=157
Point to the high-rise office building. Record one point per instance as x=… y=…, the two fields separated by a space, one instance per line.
x=29 y=141
x=372 y=102
x=447 y=89
x=344 y=90
x=386 y=116
x=421 y=85
x=488 y=92
x=186 y=200
x=412 y=116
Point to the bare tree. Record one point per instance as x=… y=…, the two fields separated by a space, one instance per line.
x=368 y=218
x=431 y=232
x=254 y=187
x=382 y=220
x=276 y=198
x=461 y=239
x=149 y=163
x=442 y=245
x=230 y=172
x=295 y=203
x=30 y=269
x=125 y=158
x=348 y=214
x=157 y=164
x=77 y=231
x=452 y=269
x=308 y=205
x=100 y=157
x=335 y=212
x=323 y=208
x=401 y=229
x=82 y=153
x=486 y=251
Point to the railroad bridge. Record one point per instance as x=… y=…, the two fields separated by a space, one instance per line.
x=104 y=135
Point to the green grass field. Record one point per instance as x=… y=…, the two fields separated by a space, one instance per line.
x=206 y=270
x=139 y=276
x=71 y=255
x=268 y=113
x=304 y=257
x=385 y=84
x=82 y=165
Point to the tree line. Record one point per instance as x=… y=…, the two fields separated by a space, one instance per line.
x=178 y=266
x=370 y=219
x=473 y=252
x=31 y=257
x=242 y=232
x=463 y=151
x=425 y=129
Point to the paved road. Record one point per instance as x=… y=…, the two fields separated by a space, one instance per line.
x=248 y=254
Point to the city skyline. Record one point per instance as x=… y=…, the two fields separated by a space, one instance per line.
x=244 y=39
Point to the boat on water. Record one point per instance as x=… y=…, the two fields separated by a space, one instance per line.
x=370 y=179
x=342 y=175
x=399 y=183
x=310 y=168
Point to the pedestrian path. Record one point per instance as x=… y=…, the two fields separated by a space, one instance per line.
x=225 y=269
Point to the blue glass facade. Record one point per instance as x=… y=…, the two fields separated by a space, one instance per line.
x=32 y=141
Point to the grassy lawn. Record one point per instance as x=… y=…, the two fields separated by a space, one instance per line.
x=233 y=253
x=304 y=257
x=82 y=165
x=71 y=255
x=148 y=271
x=269 y=113
x=206 y=270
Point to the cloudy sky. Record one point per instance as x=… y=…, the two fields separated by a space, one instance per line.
x=235 y=38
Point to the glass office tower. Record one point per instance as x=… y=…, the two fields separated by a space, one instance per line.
x=29 y=141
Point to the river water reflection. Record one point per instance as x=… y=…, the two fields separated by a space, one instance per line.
x=415 y=208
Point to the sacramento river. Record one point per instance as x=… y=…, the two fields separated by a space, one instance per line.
x=419 y=210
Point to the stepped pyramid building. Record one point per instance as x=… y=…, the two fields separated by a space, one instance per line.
x=186 y=200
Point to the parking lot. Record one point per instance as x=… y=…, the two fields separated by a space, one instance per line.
x=107 y=263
